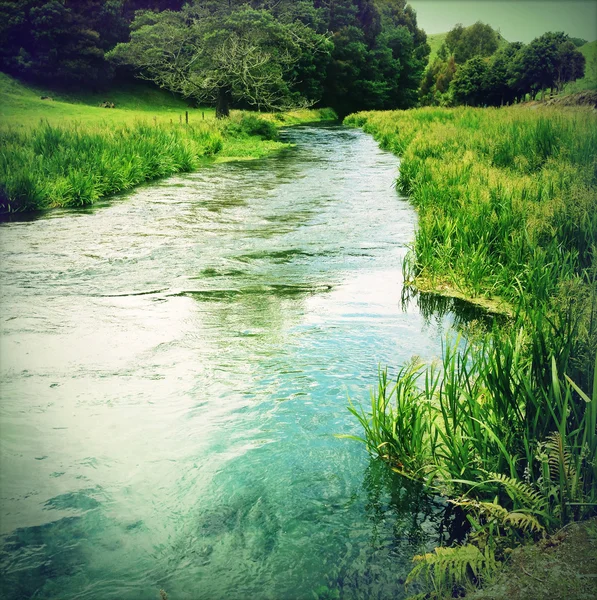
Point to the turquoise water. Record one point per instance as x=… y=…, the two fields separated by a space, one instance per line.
x=174 y=366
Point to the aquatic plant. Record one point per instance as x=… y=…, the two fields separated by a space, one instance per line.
x=74 y=165
x=504 y=426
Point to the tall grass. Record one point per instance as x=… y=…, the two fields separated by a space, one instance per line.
x=507 y=203
x=74 y=165
x=507 y=198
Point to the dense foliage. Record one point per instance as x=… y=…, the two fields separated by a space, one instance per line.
x=505 y=425
x=476 y=66
x=378 y=58
x=349 y=54
x=63 y=42
x=216 y=54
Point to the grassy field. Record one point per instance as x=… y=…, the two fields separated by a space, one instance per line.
x=435 y=41
x=589 y=81
x=22 y=106
x=69 y=151
x=505 y=424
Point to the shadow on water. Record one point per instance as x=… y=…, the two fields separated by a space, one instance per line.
x=221 y=319
x=435 y=307
x=37 y=561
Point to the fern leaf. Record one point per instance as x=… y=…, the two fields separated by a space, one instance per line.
x=448 y=567
x=521 y=491
x=524 y=522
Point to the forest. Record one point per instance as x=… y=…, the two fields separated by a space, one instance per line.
x=274 y=54
x=239 y=237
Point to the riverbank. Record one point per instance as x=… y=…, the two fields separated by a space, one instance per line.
x=68 y=152
x=561 y=568
x=507 y=198
x=505 y=425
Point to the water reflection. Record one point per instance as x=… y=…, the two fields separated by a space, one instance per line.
x=435 y=307
x=174 y=366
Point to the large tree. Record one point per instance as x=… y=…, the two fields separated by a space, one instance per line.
x=60 y=42
x=461 y=45
x=469 y=85
x=478 y=39
x=379 y=55
x=501 y=82
x=548 y=62
x=213 y=53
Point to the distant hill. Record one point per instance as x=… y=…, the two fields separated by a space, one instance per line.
x=589 y=81
x=435 y=40
x=22 y=104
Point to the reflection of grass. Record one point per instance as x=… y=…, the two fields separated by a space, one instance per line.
x=507 y=202
x=278 y=290
x=507 y=198
x=69 y=152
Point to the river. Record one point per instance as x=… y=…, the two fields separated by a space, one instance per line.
x=174 y=365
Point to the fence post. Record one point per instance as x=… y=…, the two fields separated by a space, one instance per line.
x=186 y=116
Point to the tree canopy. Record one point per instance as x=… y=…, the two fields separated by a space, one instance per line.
x=379 y=55
x=267 y=54
x=476 y=66
x=275 y=54
x=213 y=54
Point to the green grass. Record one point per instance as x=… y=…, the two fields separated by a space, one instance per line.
x=435 y=40
x=506 y=197
x=69 y=152
x=589 y=81
x=507 y=204
x=22 y=106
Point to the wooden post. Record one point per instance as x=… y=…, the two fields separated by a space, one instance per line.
x=180 y=119
x=186 y=116
x=203 y=115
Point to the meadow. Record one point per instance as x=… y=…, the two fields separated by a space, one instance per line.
x=505 y=424
x=69 y=151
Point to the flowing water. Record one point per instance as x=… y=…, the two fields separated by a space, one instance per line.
x=174 y=366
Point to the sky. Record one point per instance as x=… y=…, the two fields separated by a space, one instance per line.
x=517 y=20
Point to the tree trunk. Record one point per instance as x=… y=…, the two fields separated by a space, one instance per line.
x=223 y=103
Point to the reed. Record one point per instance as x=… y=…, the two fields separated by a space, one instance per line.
x=63 y=162
x=507 y=203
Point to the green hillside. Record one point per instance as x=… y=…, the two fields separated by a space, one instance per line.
x=435 y=40
x=21 y=105
x=589 y=81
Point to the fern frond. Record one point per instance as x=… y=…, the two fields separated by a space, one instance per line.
x=524 y=522
x=528 y=496
x=561 y=464
x=492 y=511
x=448 y=567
